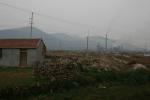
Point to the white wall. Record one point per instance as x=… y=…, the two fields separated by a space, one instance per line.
x=10 y=57
x=32 y=56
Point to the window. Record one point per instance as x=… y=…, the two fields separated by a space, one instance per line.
x=0 y=53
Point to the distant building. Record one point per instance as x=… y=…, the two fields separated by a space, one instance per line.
x=21 y=52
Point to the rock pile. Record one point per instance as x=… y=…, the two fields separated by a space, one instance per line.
x=64 y=67
x=57 y=71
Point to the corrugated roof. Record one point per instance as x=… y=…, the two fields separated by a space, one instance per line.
x=19 y=43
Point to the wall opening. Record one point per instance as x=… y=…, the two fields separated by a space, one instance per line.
x=23 y=57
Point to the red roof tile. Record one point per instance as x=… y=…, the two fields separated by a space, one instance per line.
x=19 y=43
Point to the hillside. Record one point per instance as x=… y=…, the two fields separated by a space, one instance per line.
x=62 y=41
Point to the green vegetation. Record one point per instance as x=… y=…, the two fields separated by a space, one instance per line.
x=95 y=85
x=13 y=77
x=98 y=92
x=135 y=77
x=19 y=83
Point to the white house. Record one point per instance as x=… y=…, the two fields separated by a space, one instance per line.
x=21 y=52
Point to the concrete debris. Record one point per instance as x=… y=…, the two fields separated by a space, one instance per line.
x=57 y=71
x=139 y=66
x=64 y=67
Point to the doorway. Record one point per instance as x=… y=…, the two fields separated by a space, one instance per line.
x=23 y=57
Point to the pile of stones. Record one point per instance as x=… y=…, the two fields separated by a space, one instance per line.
x=57 y=70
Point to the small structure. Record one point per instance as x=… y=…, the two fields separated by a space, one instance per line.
x=21 y=52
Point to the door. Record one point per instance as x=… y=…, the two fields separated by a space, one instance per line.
x=23 y=57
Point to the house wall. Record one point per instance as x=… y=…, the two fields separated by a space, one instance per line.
x=40 y=51
x=10 y=57
x=35 y=55
x=31 y=56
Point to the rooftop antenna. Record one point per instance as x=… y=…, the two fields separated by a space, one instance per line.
x=31 y=23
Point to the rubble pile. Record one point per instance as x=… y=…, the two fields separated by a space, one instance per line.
x=139 y=66
x=64 y=67
x=63 y=70
x=106 y=63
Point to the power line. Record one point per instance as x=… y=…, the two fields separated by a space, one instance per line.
x=15 y=7
x=65 y=21
x=48 y=16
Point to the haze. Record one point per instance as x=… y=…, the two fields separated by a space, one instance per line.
x=126 y=20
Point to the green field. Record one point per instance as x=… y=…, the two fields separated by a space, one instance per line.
x=112 y=92
x=88 y=85
x=13 y=77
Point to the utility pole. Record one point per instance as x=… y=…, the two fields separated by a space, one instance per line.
x=31 y=23
x=60 y=47
x=106 y=43
x=88 y=41
x=145 y=47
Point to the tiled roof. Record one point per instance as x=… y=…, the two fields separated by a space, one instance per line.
x=19 y=43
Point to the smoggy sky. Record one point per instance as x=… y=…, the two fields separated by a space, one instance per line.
x=127 y=20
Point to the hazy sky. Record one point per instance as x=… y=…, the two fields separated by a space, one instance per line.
x=128 y=20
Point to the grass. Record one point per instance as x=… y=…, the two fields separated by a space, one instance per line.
x=98 y=92
x=13 y=77
x=88 y=85
x=94 y=85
